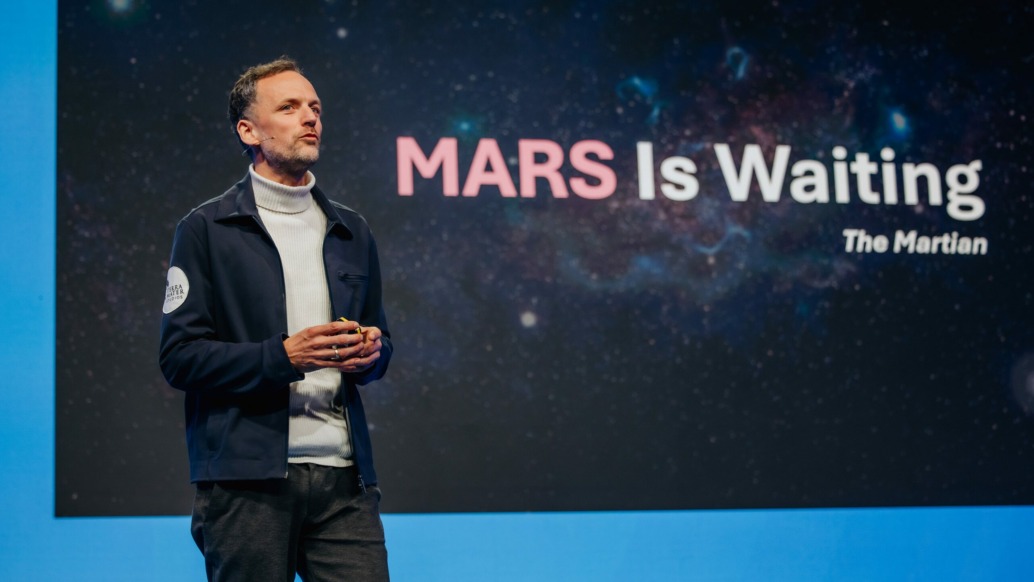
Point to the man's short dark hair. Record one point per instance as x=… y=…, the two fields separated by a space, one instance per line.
x=242 y=96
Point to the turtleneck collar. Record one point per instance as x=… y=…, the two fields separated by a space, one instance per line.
x=276 y=197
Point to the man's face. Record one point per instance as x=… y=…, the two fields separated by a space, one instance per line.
x=285 y=124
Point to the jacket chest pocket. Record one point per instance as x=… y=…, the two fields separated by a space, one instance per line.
x=349 y=294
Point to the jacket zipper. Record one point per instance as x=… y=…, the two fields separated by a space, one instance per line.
x=283 y=297
x=344 y=405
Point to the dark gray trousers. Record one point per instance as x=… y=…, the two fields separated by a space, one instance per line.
x=317 y=522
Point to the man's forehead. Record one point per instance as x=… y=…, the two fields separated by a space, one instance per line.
x=283 y=86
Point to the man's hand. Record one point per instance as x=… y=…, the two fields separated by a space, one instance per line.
x=371 y=351
x=338 y=344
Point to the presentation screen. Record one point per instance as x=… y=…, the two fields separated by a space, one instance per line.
x=636 y=256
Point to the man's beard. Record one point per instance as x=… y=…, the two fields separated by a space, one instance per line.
x=294 y=162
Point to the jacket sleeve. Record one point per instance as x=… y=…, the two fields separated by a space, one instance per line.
x=373 y=314
x=191 y=355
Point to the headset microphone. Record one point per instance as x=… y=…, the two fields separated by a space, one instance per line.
x=260 y=142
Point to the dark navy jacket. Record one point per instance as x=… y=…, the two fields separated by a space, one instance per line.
x=223 y=346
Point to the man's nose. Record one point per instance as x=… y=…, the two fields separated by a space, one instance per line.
x=310 y=117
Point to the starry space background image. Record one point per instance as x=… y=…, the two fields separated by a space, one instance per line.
x=564 y=353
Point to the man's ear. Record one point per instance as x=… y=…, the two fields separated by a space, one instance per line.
x=246 y=131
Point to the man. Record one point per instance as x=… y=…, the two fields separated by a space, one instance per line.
x=272 y=318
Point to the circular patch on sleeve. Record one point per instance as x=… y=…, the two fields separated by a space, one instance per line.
x=176 y=289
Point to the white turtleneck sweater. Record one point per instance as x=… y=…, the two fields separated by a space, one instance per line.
x=318 y=431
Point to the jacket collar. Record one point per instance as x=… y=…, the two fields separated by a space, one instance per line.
x=238 y=203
